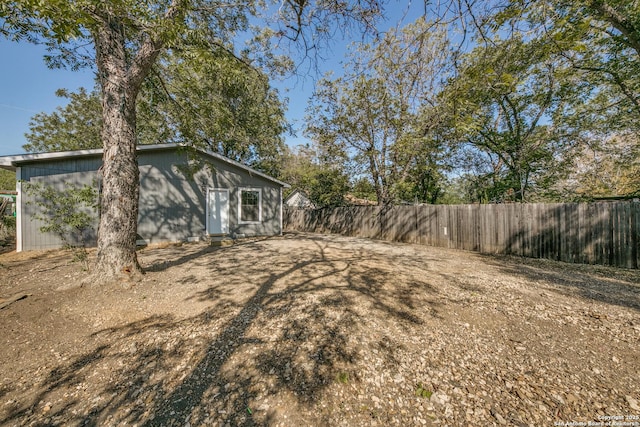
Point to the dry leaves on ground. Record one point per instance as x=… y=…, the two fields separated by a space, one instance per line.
x=319 y=330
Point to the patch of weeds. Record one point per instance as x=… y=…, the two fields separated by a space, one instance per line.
x=421 y=391
x=369 y=411
x=80 y=255
x=342 y=377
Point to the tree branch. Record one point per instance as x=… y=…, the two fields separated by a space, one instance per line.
x=151 y=47
x=619 y=21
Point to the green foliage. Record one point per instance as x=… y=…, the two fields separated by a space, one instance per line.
x=545 y=80
x=599 y=42
x=607 y=168
x=455 y=192
x=68 y=213
x=9 y=222
x=343 y=377
x=216 y=103
x=425 y=179
x=499 y=104
x=7 y=180
x=363 y=189
x=7 y=228
x=202 y=90
x=329 y=187
x=76 y=126
x=374 y=116
x=562 y=77
x=325 y=183
x=422 y=391
x=215 y=100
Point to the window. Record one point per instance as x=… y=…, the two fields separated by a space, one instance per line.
x=250 y=205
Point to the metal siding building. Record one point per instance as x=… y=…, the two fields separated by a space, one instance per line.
x=185 y=194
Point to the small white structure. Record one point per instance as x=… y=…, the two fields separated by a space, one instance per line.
x=299 y=200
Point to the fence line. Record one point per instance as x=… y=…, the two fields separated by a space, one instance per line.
x=606 y=233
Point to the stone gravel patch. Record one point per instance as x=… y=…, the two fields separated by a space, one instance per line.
x=319 y=330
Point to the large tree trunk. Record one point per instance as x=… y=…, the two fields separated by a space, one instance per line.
x=116 y=256
x=121 y=74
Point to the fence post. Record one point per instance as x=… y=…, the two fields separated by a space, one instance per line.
x=599 y=233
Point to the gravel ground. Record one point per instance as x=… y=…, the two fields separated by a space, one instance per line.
x=315 y=330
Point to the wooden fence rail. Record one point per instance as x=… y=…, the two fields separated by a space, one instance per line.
x=606 y=233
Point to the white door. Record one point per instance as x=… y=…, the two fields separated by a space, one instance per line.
x=218 y=211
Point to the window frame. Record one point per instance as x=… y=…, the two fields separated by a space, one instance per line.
x=253 y=189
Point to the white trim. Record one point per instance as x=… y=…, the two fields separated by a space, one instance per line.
x=9 y=162
x=19 y=209
x=206 y=212
x=281 y=230
x=208 y=202
x=240 y=190
x=243 y=166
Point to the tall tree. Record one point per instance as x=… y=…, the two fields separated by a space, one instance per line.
x=127 y=38
x=371 y=114
x=594 y=46
x=76 y=126
x=210 y=100
x=501 y=104
x=322 y=178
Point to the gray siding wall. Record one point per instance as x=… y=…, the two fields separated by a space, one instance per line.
x=233 y=178
x=171 y=206
x=58 y=175
x=172 y=203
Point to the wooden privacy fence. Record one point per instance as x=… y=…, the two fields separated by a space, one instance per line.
x=592 y=233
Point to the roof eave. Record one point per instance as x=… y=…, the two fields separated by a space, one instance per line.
x=11 y=162
x=249 y=169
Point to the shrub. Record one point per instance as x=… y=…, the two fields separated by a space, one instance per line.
x=7 y=227
x=68 y=214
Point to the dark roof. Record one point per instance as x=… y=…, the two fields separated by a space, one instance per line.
x=11 y=162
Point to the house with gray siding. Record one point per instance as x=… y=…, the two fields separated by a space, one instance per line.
x=186 y=194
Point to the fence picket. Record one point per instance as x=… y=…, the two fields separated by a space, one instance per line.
x=599 y=233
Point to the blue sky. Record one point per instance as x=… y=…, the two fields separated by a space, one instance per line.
x=28 y=87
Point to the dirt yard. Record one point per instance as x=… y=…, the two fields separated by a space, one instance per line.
x=310 y=330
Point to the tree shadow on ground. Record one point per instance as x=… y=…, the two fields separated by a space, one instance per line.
x=184 y=253
x=609 y=285
x=281 y=325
